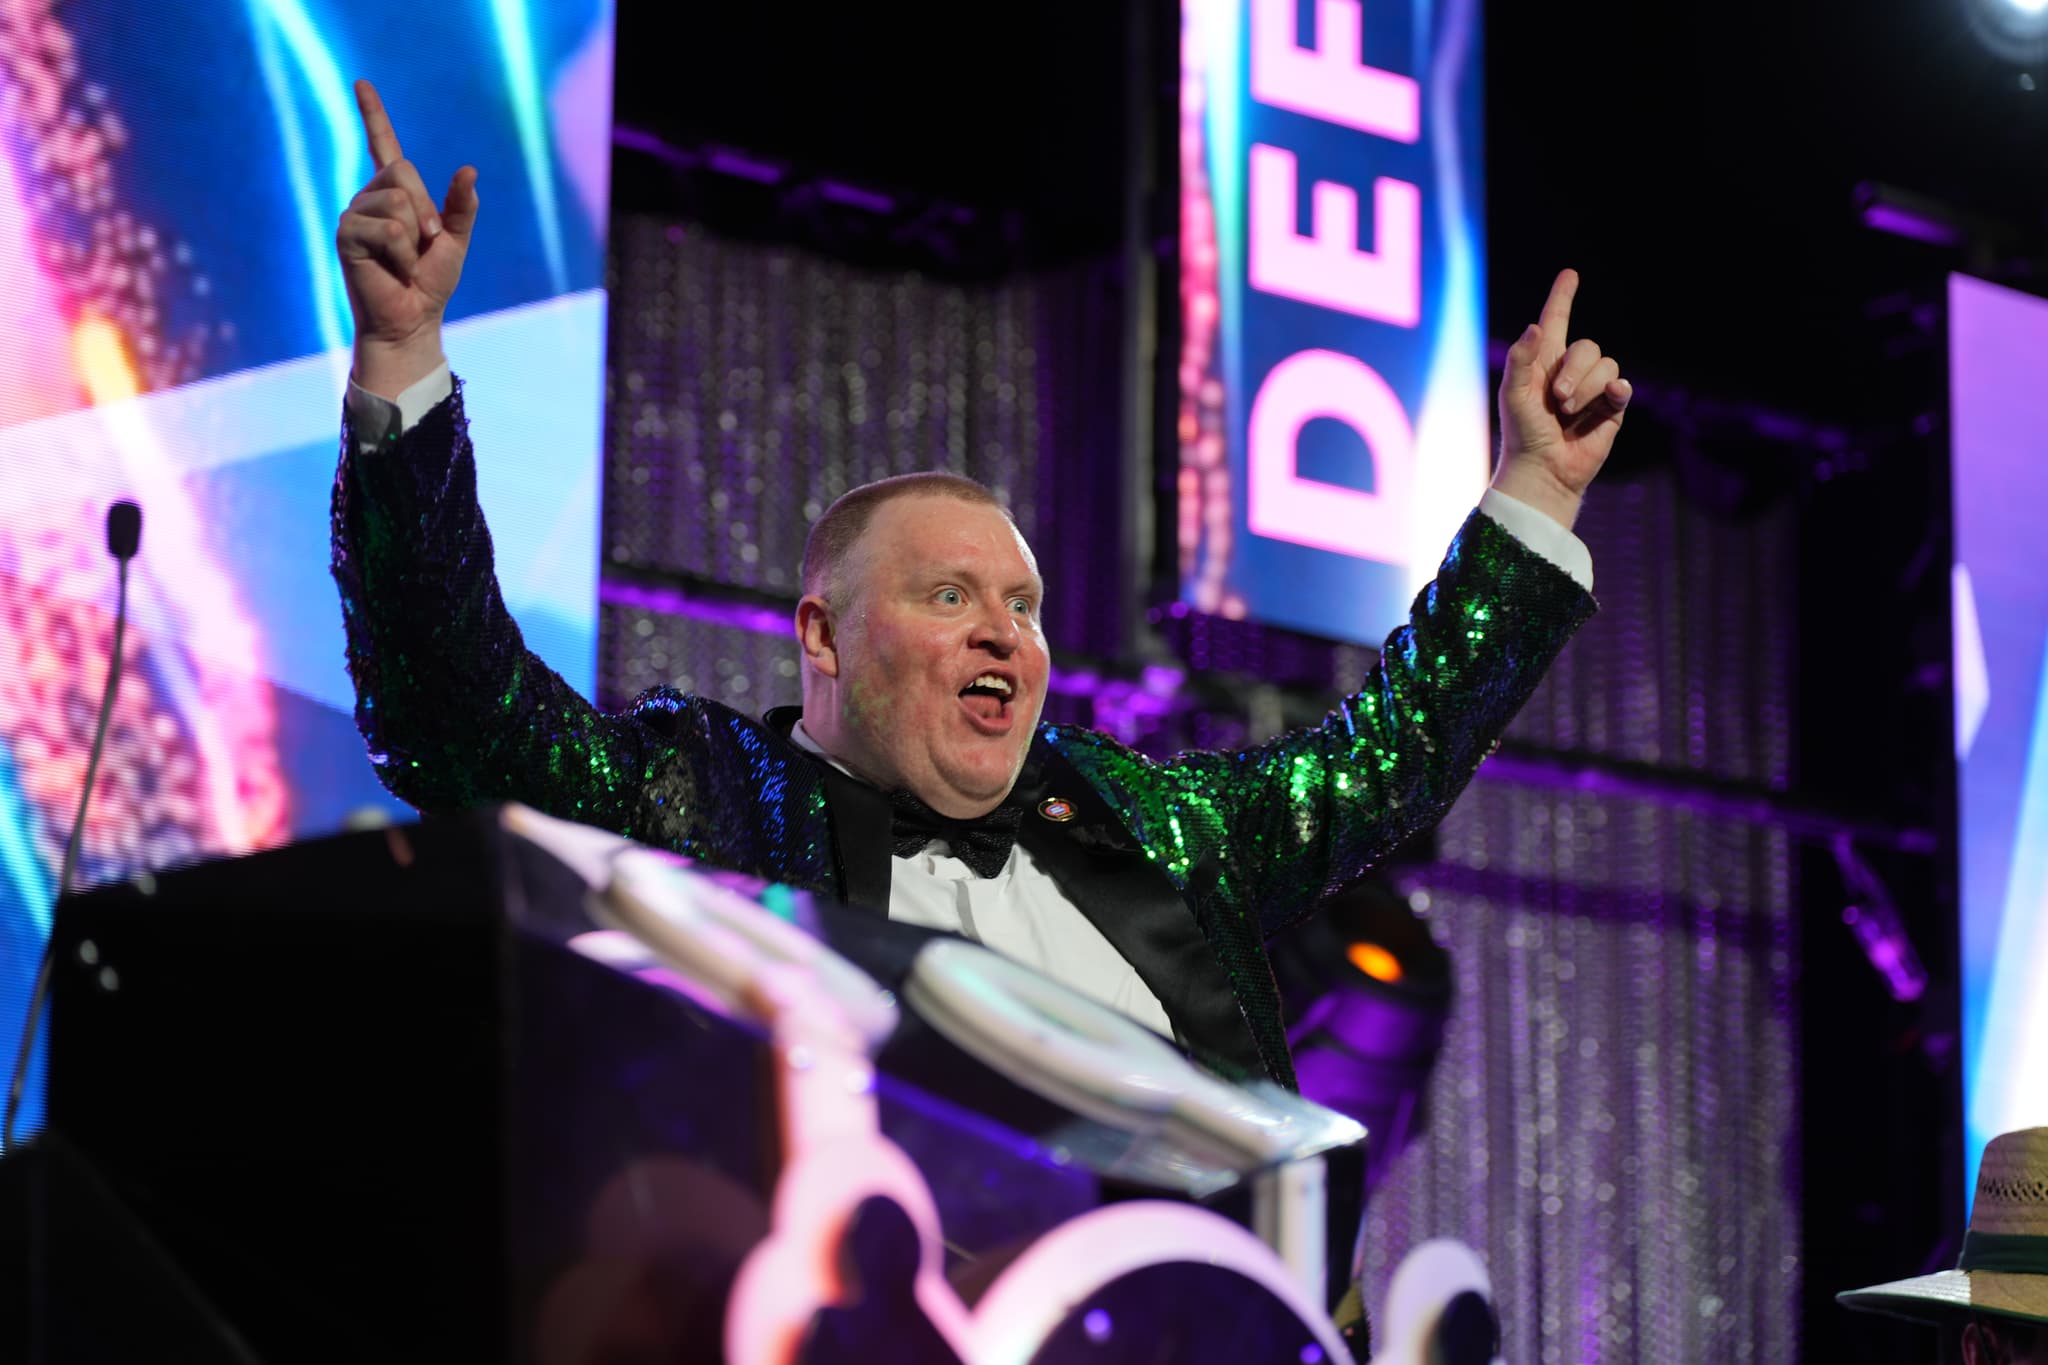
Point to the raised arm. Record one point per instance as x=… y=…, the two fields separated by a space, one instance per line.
x=454 y=707
x=1281 y=825
x=1294 y=819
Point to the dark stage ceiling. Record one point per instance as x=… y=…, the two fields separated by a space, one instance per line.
x=1696 y=162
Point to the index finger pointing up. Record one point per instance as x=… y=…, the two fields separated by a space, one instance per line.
x=1557 y=309
x=383 y=139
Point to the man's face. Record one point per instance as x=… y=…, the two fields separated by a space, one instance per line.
x=941 y=664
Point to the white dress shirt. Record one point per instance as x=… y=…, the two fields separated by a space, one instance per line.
x=1020 y=912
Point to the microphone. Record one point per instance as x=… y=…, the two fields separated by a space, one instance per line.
x=124 y=532
x=124 y=538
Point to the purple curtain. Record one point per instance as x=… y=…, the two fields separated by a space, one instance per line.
x=1613 y=1120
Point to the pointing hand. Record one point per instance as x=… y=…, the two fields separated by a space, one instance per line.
x=400 y=257
x=1560 y=410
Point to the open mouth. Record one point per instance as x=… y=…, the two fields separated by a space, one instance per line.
x=987 y=699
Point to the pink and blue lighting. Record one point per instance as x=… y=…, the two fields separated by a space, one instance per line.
x=1998 y=410
x=1332 y=426
x=173 y=329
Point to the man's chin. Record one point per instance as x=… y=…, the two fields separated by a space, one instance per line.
x=981 y=784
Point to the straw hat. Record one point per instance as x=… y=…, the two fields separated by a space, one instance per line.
x=2004 y=1265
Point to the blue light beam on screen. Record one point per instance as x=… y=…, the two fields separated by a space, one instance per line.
x=515 y=39
x=1996 y=338
x=18 y=855
x=2014 y=1042
x=1452 y=437
x=331 y=96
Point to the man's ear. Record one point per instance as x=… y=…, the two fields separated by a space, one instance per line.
x=815 y=635
x=1981 y=1346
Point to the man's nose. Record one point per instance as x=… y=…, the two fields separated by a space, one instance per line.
x=995 y=629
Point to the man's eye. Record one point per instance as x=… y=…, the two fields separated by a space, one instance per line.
x=950 y=596
x=1021 y=604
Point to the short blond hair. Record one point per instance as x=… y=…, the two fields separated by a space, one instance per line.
x=834 y=535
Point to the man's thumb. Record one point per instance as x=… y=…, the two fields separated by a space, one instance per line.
x=1522 y=358
x=458 y=210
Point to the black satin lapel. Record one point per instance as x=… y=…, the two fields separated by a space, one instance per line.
x=1098 y=863
x=860 y=826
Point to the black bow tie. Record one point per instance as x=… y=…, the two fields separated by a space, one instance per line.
x=983 y=843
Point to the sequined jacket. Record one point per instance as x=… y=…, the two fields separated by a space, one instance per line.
x=1187 y=865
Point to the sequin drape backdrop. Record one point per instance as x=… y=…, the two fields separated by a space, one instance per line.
x=1614 y=1115
x=751 y=384
x=1612 y=1121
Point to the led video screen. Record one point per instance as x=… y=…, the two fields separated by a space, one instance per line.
x=1998 y=409
x=173 y=330
x=1332 y=420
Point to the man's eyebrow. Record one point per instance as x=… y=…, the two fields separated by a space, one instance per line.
x=1035 y=585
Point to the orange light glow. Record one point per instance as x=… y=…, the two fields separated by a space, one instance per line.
x=101 y=354
x=1375 y=961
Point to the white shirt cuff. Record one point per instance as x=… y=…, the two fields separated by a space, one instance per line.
x=1541 y=534
x=377 y=419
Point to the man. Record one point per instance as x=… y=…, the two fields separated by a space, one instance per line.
x=916 y=781
x=1993 y=1308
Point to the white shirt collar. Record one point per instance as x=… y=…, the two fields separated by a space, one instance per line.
x=958 y=871
x=802 y=739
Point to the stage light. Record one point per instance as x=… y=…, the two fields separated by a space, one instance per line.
x=1903 y=213
x=1879 y=929
x=1367 y=992
x=2016 y=30
x=1375 y=961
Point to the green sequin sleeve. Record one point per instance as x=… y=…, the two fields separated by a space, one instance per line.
x=1267 y=832
x=455 y=709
